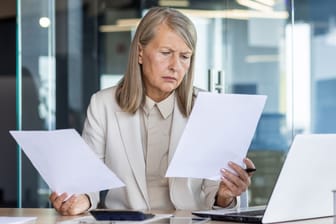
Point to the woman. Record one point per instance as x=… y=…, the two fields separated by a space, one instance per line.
x=135 y=126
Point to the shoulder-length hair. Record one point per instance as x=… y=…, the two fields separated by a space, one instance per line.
x=130 y=94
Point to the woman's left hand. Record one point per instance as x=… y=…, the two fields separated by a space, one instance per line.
x=233 y=184
x=74 y=205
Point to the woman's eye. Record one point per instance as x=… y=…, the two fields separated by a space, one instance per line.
x=186 y=57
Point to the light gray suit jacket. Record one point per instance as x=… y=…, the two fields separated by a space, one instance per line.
x=115 y=137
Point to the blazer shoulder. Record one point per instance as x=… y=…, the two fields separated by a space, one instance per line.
x=107 y=92
x=105 y=97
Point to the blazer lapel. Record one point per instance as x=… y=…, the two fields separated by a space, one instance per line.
x=129 y=126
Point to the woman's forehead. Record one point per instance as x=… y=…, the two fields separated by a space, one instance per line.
x=164 y=35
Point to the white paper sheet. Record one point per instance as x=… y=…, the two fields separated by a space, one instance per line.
x=16 y=220
x=65 y=161
x=220 y=129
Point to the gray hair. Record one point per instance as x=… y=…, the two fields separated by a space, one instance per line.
x=130 y=93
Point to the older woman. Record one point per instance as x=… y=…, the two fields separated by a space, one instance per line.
x=135 y=126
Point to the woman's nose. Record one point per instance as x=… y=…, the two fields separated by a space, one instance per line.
x=175 y=63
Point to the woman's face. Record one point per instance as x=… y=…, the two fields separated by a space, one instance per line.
x=165 y=60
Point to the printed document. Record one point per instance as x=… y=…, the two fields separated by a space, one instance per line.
x=66 y=162
x=220 y=129
x=16 y=220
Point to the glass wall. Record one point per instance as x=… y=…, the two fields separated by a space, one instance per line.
x=36 y=89
x=71 y=49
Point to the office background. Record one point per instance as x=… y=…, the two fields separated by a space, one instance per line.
x=63 y=51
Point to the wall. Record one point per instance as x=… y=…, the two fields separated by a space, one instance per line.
x=7 y=144
x=7 y=101
x=7 y=9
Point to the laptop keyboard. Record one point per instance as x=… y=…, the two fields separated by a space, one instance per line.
x=248 y=213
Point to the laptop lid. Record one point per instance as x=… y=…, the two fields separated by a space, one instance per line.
x=304 y=186
x=306 y=181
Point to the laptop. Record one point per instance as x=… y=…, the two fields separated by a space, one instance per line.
x=303 y=189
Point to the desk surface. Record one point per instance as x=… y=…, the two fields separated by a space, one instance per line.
x=49 y=215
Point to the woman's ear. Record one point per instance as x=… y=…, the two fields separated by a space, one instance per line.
x=140 y=50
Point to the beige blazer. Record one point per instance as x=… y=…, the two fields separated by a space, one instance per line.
x=115 y=137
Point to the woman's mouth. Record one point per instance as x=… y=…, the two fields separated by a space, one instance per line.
x=169 y=78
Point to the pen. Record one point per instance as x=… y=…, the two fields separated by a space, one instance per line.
x=250 y=170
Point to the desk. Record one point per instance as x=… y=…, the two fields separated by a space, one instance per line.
x=50 y=216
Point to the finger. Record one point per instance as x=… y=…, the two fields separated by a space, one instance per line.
x=240 y=171
x=58 y=200
x=78 y=206
x=231 y=188
x=242 y=181
x=65 y=209
x=249 y=164
x=228 y=186
x=238 y=185
x=53 y=196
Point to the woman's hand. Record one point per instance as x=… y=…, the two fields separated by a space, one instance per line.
x=233 y=184
x=74 y=205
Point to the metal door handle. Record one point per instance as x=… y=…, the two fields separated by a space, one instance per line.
x=218 y=86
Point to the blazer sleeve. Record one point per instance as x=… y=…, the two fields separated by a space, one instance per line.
x=94 y=135
x=210 y=189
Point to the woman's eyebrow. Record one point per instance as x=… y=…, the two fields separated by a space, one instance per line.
x=174 y=50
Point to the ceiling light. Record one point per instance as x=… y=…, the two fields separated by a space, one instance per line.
x=115 y=28
x=254 y=5
x=262 y=58
x=175 y=3
x=44 y=22
x=128 y=22
x=267 y=2
x=236 y=14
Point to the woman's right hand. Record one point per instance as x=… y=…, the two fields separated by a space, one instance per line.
x=74 y=205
